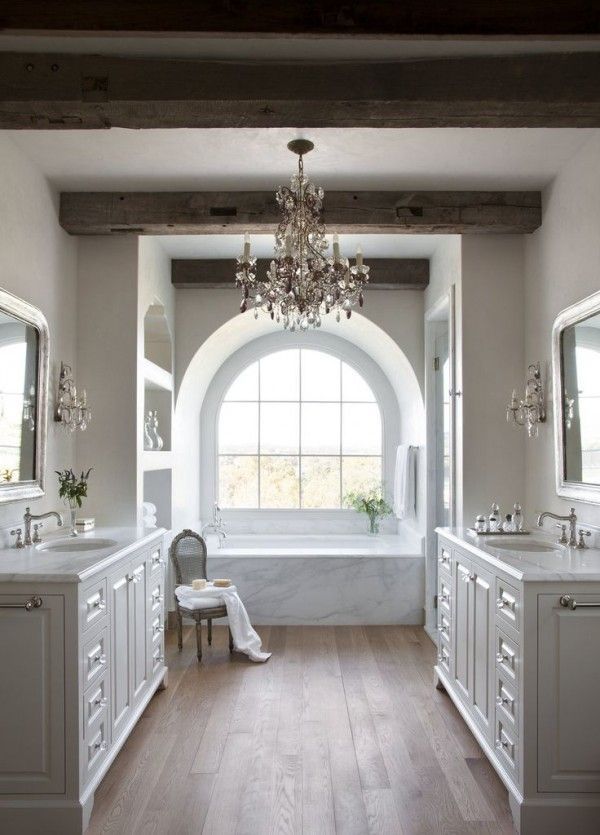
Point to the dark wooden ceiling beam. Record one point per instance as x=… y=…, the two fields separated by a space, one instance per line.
x=193 y=213
x=386 y=273
x=297 y=17
x=39 y=91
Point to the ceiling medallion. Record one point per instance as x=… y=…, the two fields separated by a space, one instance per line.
x=303 y=282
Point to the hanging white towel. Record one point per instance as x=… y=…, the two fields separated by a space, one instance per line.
x=405 y=481
x=245 y=638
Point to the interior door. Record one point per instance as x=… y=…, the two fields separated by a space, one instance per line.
x=461 y=598
x=482 y=588
x=120 y=608
x=139 y=625
x=568 y=687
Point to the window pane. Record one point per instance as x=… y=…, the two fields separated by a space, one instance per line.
x=320 y=376
x=280 y=376
x=354 y=386
x=245 y=385
x=360 y=474
x=320 y=428
x=238 y=428
x=279 y=481
x=238 y=481
x=279 y=428
x=321 y=482
x=361 y=429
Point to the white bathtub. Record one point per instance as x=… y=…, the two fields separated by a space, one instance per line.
x=324 y=579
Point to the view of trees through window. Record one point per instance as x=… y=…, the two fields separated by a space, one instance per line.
x=299 y=428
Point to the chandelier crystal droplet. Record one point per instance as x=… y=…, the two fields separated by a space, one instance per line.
x=303 y=282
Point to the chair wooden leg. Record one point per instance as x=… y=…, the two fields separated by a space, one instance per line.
x=179 y=631
x=230 y=640
x=199 y=640
x=209 y=625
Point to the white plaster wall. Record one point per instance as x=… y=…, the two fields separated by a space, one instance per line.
x=38 y=263
x=201 y=313
x=562 y=265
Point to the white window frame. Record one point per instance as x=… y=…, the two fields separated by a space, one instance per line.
x=258 y=519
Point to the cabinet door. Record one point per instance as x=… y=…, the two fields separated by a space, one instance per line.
x=461 y=598
x=568 y=687
x=120 y=609
x=32 y=696
x=482 y=591
x=139 y=625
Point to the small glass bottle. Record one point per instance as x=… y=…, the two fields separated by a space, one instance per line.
x=493 y=523
x=518 y=518
x=508 y=525
x=480 y=524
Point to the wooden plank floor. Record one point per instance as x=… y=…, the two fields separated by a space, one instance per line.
x=340 y=732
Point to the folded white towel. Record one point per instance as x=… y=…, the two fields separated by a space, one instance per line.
x=148 y=509
x=245 y=638
x=149 y=521
x=405 y=481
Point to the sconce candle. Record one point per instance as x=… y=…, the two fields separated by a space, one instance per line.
x=72 y=411
x=531 y=411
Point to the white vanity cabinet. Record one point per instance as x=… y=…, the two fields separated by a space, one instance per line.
x=82 y=653
x=523 y=668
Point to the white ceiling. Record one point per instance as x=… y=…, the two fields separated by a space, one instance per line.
x=357 y=158
x=230 y=246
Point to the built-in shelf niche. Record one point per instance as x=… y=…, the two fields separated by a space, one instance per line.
x=157 y=489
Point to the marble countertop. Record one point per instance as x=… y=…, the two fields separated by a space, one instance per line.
x=30 y=564
x=562 y=563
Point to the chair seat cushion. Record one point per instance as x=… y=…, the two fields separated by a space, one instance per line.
x=198 y=602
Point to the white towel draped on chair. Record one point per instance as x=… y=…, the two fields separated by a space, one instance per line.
x=245 y=638
x=405 y=477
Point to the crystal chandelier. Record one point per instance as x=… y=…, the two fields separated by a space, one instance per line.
x=303 y=283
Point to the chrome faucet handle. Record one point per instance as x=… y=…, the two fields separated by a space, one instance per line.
x=36 y=536
x=580 y=542
x=19 y=534
x=562 y=539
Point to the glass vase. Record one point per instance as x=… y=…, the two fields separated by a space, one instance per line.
x=373 y=525
x=72 y=517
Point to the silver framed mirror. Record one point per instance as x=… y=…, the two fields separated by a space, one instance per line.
x=24 y=358
x=576 y=378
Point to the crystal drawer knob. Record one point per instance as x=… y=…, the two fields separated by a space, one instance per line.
x=503 y=700
x=502 y=743
x=101 y=746
x=100 y=659
x=102 y=702
x=501 y=603
x=100 y=605
x=159 y=628
x=502 y=656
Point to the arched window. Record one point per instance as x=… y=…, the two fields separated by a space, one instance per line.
x=298 y=428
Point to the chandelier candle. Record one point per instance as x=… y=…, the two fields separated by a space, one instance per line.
x=303 y=282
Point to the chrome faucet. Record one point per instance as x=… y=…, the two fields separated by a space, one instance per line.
x=216 y=525
x=571 y=519
x=29 y=517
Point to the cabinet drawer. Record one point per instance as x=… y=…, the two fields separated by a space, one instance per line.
x=156 y=559
x=444 y=626
x=507 y=657
x=95 y=702
x=95 y=658
x=506 y=701
x=93 y=603
x=508 y=604
x=157 y=595
x=444 y=593
x=506 y=746
x=96 y=747
x=444 y=559
x=443 y=654
x=158 y=655
x=157 y=627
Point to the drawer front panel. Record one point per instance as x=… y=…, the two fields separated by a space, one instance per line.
x=96 y=747
x=156 y=559
x=157 y=594
x=444 y=594
x=95 y=658
x=508 y=604
x=95 y=703
x=443 y=654
x=444 y=626
x=93 y=604
x=444 y=558
x=507 y=657
x=506 y=747
x=507 y=702
x=157 y=627
x=158 y=656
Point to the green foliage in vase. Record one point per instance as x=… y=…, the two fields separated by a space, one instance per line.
x=71 y=487
x=372 y=504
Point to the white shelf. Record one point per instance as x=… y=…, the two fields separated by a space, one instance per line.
x=157 y=460
x=156 y=378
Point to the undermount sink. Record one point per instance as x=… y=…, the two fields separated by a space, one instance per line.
x=70 y=546
x=530 y=546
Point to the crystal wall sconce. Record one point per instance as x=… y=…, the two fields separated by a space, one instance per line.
x=531 y=411
x=71 y=410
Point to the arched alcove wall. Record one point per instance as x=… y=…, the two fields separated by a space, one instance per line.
x=240 y=330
